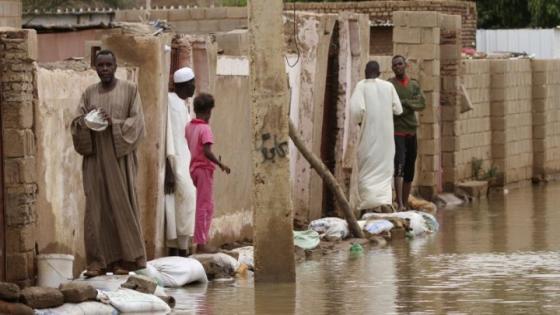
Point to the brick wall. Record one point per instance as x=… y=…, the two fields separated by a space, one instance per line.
x=416 y=36
x=382 y=11
x=472 y=130
x=10 y=13
x=511 y=100
x=384 y=66
x=17 y=53
x=546 y=118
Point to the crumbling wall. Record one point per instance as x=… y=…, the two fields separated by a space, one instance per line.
x=314 y=33
x=61 y=199
x=18 y=51
x=353 y=47
x=546 y=118
x=471 y=132
x=512 y=123
x=10 y=13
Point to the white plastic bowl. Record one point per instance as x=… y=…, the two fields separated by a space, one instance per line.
x=95 y=121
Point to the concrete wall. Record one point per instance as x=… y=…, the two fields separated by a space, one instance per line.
x=60 y=199
x=65 y=45
x=18 y=51
x=10 y=13
x=233 y=193
x=472 y=131
x=192 y=20
x=546 y=118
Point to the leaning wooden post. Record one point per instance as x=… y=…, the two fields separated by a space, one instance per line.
x=328 y=177
x=272 y=206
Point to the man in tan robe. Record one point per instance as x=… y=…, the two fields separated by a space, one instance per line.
x=112 y=231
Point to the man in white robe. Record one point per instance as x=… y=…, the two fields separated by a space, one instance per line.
x=372 y=106
x=180 y=198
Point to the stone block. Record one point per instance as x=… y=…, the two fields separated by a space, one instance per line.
x=40 y=297
x=9 y=292
x=407 y=35
x=15 y=308
x=237 y=12
x=77 y=292
x=234 y=43
x=162 y=15
x=431 y=35
x=208 y=26
x=227 y=25
x=185 y=26
x=450 y=22
x=473 y=189
x=417 y=52
x=216 y=13
x=540 y=65
x=423 y=19
x=20 y=238
x=18 y=143
x=19 y=204
x=180 y=15
x=400 y=18
x=140 y=283
x=541 y=91
x=198 y=13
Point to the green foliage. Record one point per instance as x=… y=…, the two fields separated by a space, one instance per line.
x=518 y=13
x=234 y=3
x=478 y=173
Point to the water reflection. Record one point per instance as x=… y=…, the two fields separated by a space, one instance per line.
x=496 y=256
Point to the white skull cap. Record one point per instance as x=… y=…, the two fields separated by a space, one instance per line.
x=184 y=74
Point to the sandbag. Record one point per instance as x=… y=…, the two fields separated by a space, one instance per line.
x=330 y=228
x=377 y=226
x=130 y=301
x=175 y=272
x=308 y=239
x=218 y=265
x=246 y=256
x=417 y=222
x=85 y=308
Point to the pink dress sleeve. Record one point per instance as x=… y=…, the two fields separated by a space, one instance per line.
x=206 y=136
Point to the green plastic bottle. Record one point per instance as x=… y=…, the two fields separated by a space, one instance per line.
x=356 y=248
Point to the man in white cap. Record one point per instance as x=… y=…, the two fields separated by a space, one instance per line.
x=180 y=192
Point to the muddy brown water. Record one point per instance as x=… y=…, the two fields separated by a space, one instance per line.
x=495 y=256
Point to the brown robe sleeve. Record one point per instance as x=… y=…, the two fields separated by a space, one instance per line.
x=81 y=134
x=128 y=132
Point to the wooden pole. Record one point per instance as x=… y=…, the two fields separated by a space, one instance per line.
x=329 y=179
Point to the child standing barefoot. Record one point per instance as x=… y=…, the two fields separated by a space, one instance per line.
x=200 y=139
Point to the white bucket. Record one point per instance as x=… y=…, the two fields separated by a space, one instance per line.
x=54 y=269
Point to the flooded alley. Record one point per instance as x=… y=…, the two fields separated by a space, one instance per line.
x=496 y=256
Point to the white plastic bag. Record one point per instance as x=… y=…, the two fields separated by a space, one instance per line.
x=84 y=308
x=130 y=301
x=378 y=226
x=331 y=228
x=417 y=221
x=246 y=256
x=174 y=271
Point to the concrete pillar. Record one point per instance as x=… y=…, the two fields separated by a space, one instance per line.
x=273 y=239
x=416 y=36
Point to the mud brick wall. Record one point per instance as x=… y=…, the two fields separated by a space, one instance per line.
x=10 y=13
x=472 y=130
x=382 y=11
x=192 y=20
x=17 y=54
x=417 y=37
x=546 y=118
x=512 y=123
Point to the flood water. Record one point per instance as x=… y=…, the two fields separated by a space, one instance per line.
x=495 y=256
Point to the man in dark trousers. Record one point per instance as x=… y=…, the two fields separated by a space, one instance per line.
x=405 y=124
